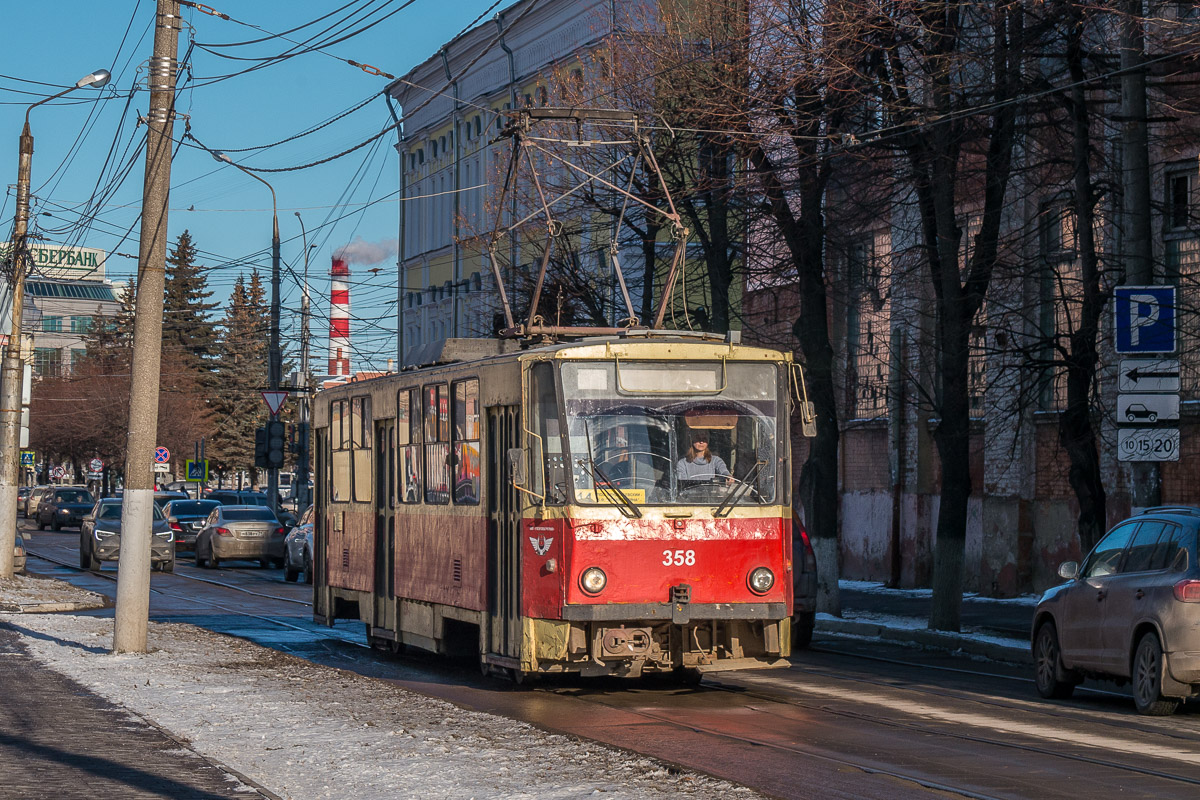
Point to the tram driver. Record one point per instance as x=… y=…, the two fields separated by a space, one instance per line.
x=699 y=465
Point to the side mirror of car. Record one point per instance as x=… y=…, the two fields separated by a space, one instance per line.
x=89 y=518
x=1069 y=570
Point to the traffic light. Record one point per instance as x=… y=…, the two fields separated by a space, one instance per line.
x=276 y=443
x=260 y=448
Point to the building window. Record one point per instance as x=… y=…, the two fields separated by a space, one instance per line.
x=81 y=324
x=1063 y=293
x=52 y=324
x=47 y=362
x=478 y=126
x=868 y=331
x=78 y=354
x=1179 y=186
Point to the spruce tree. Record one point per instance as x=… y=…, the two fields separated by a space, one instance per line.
x=187 y=330
x=242 y=365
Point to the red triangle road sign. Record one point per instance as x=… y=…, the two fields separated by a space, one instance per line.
x=274 y=400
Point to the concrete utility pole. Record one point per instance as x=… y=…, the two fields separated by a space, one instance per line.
x=1138 y=246
x=12 y=371
x=137 y=512
x=301 y=479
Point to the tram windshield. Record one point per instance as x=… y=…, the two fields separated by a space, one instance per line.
x=672 y=433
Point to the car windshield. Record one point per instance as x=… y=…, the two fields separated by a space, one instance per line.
x=243 y=514
x=193 y=507
x=80 y=496
x=670 y=433
x=113 y=511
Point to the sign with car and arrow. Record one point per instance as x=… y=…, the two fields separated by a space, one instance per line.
x=1145 y=324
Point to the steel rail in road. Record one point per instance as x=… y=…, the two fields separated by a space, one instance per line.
x=1122 y=725
x=238 y=612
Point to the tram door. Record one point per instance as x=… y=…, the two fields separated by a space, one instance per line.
x=385 y=523
x=504 y=534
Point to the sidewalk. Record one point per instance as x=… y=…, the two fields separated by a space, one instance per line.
x=210 y=716
x=992 y=628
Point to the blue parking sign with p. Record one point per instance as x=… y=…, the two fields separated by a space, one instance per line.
x=1145 y=319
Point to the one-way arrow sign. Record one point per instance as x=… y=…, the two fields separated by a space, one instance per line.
x=1148 y=375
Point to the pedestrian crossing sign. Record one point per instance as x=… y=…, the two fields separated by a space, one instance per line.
x=197 y=469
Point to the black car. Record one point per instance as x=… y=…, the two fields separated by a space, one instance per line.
x=64 y=508
x=186 y=518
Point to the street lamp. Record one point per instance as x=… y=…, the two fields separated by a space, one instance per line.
x=11 y=372
x=274 y=357
x=301 y=479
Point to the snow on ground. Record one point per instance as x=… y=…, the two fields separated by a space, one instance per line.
x=308 y=731
x=25 y=590
x=918 y=624
x=874 y=587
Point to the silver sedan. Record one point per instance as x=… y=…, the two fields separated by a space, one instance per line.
x=246 y=533
x=100 y=537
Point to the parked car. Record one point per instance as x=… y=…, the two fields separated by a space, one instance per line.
x=19 y=554
x=231 y=497
x=22 y=494
x=246 y=533
x=64 y=508
x=298 y=549
x=35 y=497
x=161 y=498
x=1130 y=613
x=804 y=586
x=185 y=518
x=100 y=537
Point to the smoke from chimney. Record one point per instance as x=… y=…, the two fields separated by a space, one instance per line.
x=364 y=253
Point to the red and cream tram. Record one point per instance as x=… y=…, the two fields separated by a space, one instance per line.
x=548 y=505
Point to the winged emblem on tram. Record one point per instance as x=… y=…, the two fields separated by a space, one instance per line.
x=541 y=545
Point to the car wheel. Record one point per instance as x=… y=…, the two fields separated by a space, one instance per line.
x=290 y=575
x=168 y=566
x=1153 y=417
x=41 y=525
x=84 y=561
x=54 y=526
x=308 y=570
x=1131 y=417
x=213 y=561
x=802 y=631
x=1148 y=666
x=1054 y=682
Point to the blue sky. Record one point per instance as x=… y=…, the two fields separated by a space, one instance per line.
x=88 y=139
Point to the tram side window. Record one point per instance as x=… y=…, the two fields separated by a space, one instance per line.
x=553 y=472
x=360 y=435
x=408 y=433
x=339 y=444
x=437 y=445
x=466 y=442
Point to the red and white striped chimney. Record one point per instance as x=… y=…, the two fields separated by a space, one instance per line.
x=339 y=318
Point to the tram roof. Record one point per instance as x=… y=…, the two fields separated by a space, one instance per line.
x=460 y=351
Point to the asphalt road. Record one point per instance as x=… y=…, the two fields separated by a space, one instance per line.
x=849 y=719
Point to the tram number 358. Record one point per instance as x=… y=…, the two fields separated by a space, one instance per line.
x=679 y=558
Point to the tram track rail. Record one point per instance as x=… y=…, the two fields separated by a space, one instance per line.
x=865 y=766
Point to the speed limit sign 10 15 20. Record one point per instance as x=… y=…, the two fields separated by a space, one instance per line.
x=1148 y=444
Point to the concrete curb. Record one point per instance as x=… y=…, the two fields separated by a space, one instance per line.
x=48 y=608
x=952 y=642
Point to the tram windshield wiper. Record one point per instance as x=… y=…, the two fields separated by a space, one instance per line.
x=626 y=506
x=735 y=493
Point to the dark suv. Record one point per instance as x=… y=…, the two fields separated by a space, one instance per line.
x=64 y=508
x=1130 y=612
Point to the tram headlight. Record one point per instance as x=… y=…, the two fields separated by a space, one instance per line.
x=593 y=580
x=761 y=580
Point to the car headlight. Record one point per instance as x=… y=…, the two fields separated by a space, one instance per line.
x=63 y=511
x=593 y=580
x=761 y=580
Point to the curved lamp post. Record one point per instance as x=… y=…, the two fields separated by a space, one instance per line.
x=12 y=371
x=274 y=357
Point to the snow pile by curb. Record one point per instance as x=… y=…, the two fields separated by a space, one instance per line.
x=25 y=593
x=306 y=731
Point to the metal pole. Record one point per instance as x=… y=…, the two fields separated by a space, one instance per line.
x=274 y=357
x=301 y=479
x=1137 y=239
x=12 y=369
x=137 y=513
